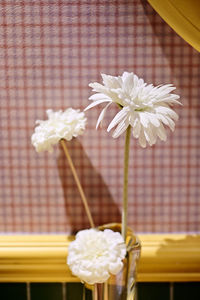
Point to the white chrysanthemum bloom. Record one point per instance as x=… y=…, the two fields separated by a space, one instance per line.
x=94 y=255
x=60 y=125
x=145 y=107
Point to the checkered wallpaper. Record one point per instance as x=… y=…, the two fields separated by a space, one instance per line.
x=49 y=51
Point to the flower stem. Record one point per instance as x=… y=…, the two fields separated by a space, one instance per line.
x=95 y=292
x=85 y=203
x=98 y=292
x=105 y=291
x=125 y=185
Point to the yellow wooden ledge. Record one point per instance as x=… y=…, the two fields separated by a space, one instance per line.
x=42 y=258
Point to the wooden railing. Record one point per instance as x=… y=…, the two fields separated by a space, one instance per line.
x=42 y=258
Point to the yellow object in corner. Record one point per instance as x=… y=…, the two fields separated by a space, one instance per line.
x=183 y=16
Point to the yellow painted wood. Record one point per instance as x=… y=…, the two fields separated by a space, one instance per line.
x=183 y=16
x=42 y=258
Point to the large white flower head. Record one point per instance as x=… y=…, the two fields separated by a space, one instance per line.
x=94 y=255
x=60 y=125
x=144 y=107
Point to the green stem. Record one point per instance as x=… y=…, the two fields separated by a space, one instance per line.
x=125 y=185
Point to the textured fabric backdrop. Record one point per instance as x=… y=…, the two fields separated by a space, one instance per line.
x=49 y=52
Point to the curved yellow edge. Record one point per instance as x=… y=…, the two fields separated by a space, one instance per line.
x=183 y=16
x=42 y=258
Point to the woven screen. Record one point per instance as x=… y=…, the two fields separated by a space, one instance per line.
x=49 y=52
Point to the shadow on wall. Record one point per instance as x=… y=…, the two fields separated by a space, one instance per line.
x=103 y=208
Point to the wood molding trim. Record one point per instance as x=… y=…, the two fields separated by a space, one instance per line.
x=42 y=258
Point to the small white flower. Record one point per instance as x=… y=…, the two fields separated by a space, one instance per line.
x=60 y=125
x=145 y=107
x=94 y=255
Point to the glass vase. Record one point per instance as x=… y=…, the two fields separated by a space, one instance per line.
x=122 y=285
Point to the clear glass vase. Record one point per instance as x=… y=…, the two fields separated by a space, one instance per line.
x=122 y=285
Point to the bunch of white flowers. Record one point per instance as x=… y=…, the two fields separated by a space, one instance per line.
x=94 y=255
x=143 y=106
x=60 y=125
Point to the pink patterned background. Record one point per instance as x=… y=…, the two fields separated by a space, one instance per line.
x=49 y=52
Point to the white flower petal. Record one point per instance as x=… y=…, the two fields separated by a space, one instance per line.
x=125 y=75
x=115 y=268
x=142 y=139
x=167 y=111
x=170 y=99
x=161 y=133
x=171 y=123
x=95 y=255
x=60 y=125
x=118 y=118
x=122 y=126
x=143 y=119
x=150 y=135
x=128 y=83
x=99 y=96
x=136 y=128
x=101 y=116
x=167 y=121
x=96 y=103
x=97 y=87
x=145 y=107
x=111 y=81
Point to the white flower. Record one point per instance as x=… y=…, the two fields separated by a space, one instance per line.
x=94 y=255
x=145 y=107
x=60 y=125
